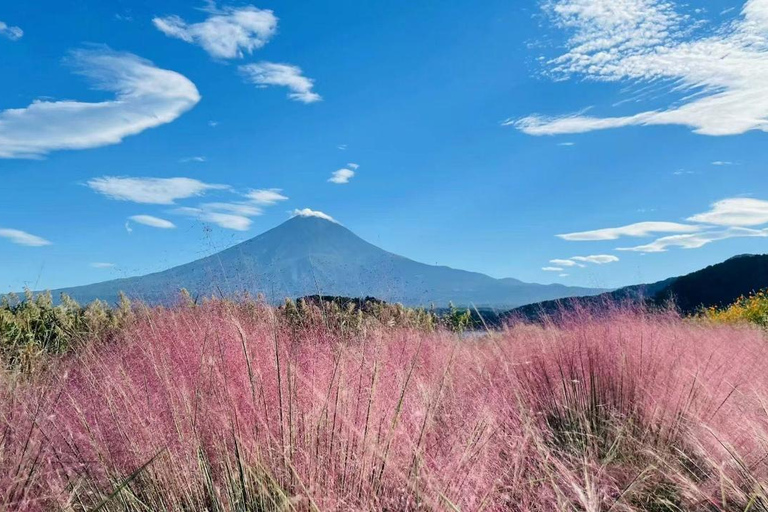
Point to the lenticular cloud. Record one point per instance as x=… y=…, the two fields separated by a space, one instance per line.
x=722 y=71
x=145 y=97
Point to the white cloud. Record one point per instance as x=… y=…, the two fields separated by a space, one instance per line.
x=215 y=216
x=23 y=238
x=213 y=124
x=267 y=196
x=150 y=190
x=193 y=159
x=145 y=97
x=235 y=215
x=12 y=33
x=342 y=176
x=722 y=72
x=563 y=275
x=598 y=259
x=639 y=229
x=306 y=212
x=696 y=240
x=238 y=208
x=128 y=227
x=720 y=162
x=739 y=211
x=551 y=269
x=342 y=147
x=353 y=166
x=565 y=263
x=228 y=33
x=101 y=264
x=265 y=74
x=155 y=222
x=567 y=144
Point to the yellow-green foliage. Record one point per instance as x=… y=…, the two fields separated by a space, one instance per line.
x=33 y=327
x=753 y=308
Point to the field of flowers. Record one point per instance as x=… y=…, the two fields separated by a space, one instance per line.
x=226 y=406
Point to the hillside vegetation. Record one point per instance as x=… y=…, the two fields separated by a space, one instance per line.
x=752 y=308
x=237 y=405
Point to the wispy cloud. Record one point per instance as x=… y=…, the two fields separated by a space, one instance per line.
x=228 y=32
x=565 y=263
x=267 y=196
x=342 y=176
x=636 y=230
x=102 y=264
x=696 y=240
x=23 y=238
x=580 y=261
x=728 y=218
x=145 y=97
x=723 y=71
x=10 y=32
x=155 y=222
x=721 y=162
x=235 y=215
x=150 y=190
x=597 y=259
x=188 y=159
x=265 y=74
x=306 y=212
x=738 y=211
x=215 y=215
x=353 y=166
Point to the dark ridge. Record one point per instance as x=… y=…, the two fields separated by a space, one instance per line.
x=714 y=286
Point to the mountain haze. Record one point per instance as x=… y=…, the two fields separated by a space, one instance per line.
x=310 y=255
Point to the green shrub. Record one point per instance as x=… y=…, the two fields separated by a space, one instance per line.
x=33 y=327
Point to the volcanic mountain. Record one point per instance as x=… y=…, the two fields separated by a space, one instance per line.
x=311 y=255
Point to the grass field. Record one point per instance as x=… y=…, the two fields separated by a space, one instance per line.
x=239 y=406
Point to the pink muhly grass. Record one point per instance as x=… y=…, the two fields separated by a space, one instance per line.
x=240 y=411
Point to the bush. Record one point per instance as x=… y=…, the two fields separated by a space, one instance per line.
x=752 y=309
x=33 y=328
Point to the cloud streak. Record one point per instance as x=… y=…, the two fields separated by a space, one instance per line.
x=739 y=211
x=150 y=190
x=722 y=73
x=639 y=229
x=19 y=237
x=342 y=176
x=267 y=196
x=154 y=222
x=265 y=74
x=10 y=32
x=145 y=97
x=696 y=240
x=229 y=33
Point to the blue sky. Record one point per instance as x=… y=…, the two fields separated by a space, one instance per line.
x=139 y=135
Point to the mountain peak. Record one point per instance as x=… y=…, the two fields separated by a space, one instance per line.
x=307 y=213
x=311 y=253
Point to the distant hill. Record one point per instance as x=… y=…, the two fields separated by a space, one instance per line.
x=314 y=256
x=717 y=285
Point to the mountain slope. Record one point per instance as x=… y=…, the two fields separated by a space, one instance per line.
x=717 y=285
x=309 y=255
